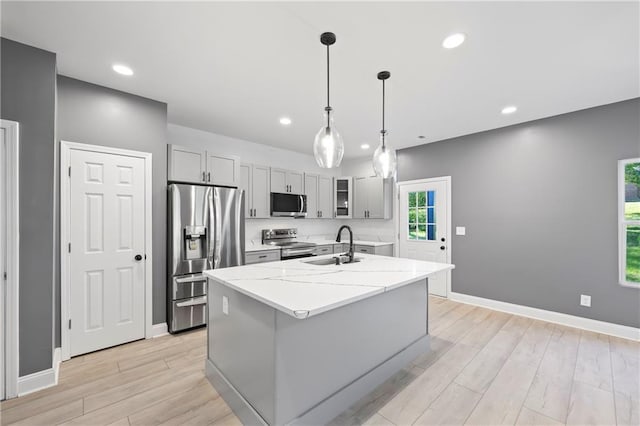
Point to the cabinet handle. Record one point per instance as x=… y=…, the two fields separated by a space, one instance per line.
x=254 y=213
x=262 y=256
x=203 y=177
x=209 y=177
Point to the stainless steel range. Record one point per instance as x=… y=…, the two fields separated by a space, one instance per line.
x=286 y=240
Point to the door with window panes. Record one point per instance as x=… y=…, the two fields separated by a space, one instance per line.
x=424 y=227
x=630 y=222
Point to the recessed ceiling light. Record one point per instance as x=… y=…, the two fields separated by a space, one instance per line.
x=453 y=41
x=122 y=69
x=365 y=146
x=509 y=109
x=285 y=121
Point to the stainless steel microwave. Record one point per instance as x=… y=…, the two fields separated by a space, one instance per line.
x=288 y=205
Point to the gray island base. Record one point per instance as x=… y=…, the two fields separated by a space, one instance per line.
x=275 y=364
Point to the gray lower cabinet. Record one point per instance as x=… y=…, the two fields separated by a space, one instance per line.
x=261 y=256
x=326 y=249
x=386 y=250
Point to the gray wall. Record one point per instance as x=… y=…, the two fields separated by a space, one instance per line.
x=97 y=115
x=28 y=97
x=539 y=201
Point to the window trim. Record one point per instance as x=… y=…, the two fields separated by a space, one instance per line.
x=622 y=225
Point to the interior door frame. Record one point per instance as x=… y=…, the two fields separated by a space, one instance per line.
x=11 y=307
x=65 y=229
x=447 y=180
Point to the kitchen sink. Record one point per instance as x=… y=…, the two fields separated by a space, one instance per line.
x=329 y=261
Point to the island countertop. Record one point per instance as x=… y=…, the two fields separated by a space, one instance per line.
x=302 y=290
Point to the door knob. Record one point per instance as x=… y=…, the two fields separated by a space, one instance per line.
x=138 y=257
x=442 y=239
x=442 y=247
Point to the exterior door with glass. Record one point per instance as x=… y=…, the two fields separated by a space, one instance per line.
x=424 y=228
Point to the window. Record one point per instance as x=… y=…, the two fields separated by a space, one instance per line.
x=422 y=215
x=629 y=222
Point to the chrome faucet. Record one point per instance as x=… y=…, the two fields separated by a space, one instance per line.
x=350 y=253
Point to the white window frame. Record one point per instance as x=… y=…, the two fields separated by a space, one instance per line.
x=622 y=225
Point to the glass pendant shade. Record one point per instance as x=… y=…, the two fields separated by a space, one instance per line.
x=328 y=148
x=385 y=160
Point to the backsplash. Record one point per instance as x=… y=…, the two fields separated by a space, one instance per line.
x=363 y=229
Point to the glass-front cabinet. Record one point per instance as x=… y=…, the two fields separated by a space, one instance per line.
x=343 y=197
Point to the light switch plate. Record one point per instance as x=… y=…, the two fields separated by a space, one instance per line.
x=225 y=305
x=585 y=300
x=461 y=230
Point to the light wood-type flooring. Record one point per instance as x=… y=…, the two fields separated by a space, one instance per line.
x=485 y=368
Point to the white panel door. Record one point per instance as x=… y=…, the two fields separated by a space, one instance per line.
x=3 y=260
x=245 y=184
x=423 y=227
x=311 y=190
x=260 y=191
x=325 y=197
x=107 y=223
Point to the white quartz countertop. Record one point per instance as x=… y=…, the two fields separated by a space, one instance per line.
x=249 y=247
x=303 y=290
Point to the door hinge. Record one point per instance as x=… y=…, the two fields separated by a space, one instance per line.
x=69 y=171
x=69 y=323
x=69 y=247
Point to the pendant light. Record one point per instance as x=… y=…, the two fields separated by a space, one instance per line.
x=384 y=159
x=328 y=147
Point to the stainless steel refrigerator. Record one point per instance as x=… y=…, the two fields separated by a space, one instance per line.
x=206 y=231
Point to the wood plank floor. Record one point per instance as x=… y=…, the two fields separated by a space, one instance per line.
x=485 y=368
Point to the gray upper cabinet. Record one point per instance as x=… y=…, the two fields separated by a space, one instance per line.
x=186 y=164
x=287 y=181
x=254 y=179
x=373 y=198
x=222 y=169
x=343 y=197
x=325 y=197
x=311 y=191
x=191 y=165
x=319 y=192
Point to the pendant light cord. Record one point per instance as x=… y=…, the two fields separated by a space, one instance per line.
x=328 y=109
x=383 y=130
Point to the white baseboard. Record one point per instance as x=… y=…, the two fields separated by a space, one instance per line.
x=41 y=379
x=608 y=328
x=158 y=330
x=36 y=381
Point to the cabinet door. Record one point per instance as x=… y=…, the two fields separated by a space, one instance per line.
x=245 y=184
x=375 y=201
x=186 y=165
x=260 y=191
x=343 y=200
x=311 y=190
x=325 y=197
x=278 y=180
x=296 y=182
x=222 y=169
x=361 y=196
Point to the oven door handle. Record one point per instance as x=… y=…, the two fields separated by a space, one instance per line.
x=193 y=302
x=297 y=252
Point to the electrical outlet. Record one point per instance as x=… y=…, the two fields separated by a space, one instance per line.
x=461 y=230
x=585 y=300
x=225 y=305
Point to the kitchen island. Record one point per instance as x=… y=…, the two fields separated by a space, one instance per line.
x=298 y=341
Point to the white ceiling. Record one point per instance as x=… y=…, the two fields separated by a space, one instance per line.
x=236 y=68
